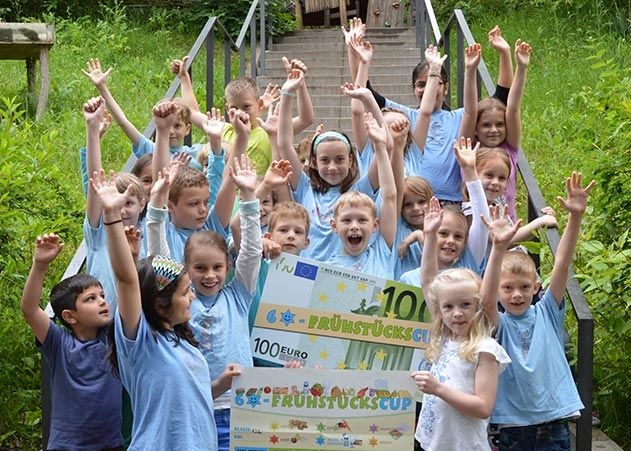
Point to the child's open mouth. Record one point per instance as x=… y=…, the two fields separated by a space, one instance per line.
x=355 y=239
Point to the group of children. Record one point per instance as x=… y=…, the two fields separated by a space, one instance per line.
x=177 y=263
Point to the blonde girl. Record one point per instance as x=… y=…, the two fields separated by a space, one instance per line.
x=466 y=361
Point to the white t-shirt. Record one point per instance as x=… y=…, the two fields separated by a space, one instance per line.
x=441 y=426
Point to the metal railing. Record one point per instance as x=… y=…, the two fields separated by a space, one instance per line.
x=206 y=37
x=584 y=368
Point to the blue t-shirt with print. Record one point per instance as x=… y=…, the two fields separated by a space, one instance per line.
x=176 y=236
x=170 y=390
x=466 y=261
x=538 y=386
x=377 y=259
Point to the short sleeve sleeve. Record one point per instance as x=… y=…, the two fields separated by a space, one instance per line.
x=303 y=186
x=94 y=237
x=144 y=146
x=492 y=347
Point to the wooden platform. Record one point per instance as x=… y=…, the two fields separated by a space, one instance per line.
x=30 y=42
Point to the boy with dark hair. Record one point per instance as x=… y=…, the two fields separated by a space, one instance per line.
x=86 y=397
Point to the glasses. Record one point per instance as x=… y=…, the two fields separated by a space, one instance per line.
x=420 y=85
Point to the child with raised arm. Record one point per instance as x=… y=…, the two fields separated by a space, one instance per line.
x=461 y=387
x=154 y=350
x=461 y=245
x=140 y=144
x=189 y=190
x=98 y=263
x=537 y=395
x=332 y=171
x=243 y=94
x=494 y=123
x=85 y=395
x=355 y=217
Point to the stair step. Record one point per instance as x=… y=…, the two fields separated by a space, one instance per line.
x=317 y=71
x=335 y=46
x=319 y=32
x=375 y=40
x=337 y=80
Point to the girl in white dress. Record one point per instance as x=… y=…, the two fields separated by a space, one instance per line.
x=461 y=386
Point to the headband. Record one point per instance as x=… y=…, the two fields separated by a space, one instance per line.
x=166 y=270
x=331 y=134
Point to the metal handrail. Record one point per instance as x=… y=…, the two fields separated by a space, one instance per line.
x=536 y=201
x=206 y=36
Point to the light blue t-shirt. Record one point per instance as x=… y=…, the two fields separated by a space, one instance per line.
x=146 y=146
x=86 y=396
x=324 y=242
x=437 y=163
x=176 y=237
x=169 y=387
x=538 y=385
x=466 y=261
x=412 y=259
x=220 y=325
x=364 y=159
x=98 y=259
x=377 y=259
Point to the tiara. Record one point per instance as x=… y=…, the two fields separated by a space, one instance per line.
x=166 y=270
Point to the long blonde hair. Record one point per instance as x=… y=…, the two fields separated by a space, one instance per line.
x=480 y=325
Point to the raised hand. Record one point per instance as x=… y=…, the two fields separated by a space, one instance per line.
x=243 y=175
x=111 y=200
x=271 y=95
x=240 y=121
x=213 y=126
x=94 y=72
x=378 y=134
x=93 y=110
x=356 y=28
x=522 y=53
x=298 y=64
x=161 y=186
x=549 y=217
x=134 y=239
x=105 y=124
x=473 y=54
x=165 y=114
x=278 y=173
x=496 y=40
x=399 y=130
x=576 y=201
x=433 y=58
x=295 y=79
x=500 y=229
x=355 y=91
x=433 y=217
x=271 y=123
x=362 y=48
x=179 y=67
x=319 y=129
x=47 y=248
x=465 y=154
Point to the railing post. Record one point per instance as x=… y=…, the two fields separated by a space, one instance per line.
x=253 y=48
x=460 y=65
x=188 y=139
x=210 y=70
x=227 y=62
x=262 y=36
x=584 y=381
x=421 y=24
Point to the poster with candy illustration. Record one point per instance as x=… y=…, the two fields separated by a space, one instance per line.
x=331 y=317
x=316 y=409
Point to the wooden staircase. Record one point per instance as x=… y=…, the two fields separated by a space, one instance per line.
x=324 y=53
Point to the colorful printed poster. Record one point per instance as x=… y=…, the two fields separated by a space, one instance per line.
x=331 y=317
x=307 y=409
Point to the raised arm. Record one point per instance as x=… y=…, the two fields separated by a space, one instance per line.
x=99 y=80
x=305 y=107
x=358 y=30
x=575 y=205
x=428 y=102
x=502 y=234
x=225 y=196
x=127 y=284
x=388 y=211
x=164 y=115
x=548 y=219
x=473 y=54
x=157 y=212
x=478 y=237
x=270 y=125
x=249 y=259
x=180 y=69
x=429 y=258
x=505 y=76
x=93 y=113
x=513 y=114
x=285 y=128
x=399 y=131
x=47 y=248
x=364 y=101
